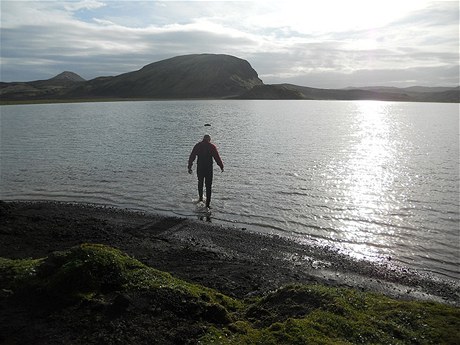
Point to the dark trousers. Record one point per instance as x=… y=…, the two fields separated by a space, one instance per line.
x=205 y=177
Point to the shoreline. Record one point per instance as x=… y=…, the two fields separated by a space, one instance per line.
x=237 y=262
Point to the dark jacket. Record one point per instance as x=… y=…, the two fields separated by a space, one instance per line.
x=205 y=151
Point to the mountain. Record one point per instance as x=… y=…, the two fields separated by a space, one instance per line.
x=53 y=88
x=203 y=76
x=188 y=76
x=289 y=91
x=271 y=92
x=418 y=93
x=67 y=76
x=405 y=89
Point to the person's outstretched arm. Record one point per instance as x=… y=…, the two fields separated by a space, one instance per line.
x=191 y=159
x=217 y=158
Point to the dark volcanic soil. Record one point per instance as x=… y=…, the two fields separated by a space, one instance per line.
x=234 y=261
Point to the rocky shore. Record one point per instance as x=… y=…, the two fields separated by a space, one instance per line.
x=231 y=260
x=237 y=263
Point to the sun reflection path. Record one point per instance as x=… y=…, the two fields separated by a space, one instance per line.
x=368 y=180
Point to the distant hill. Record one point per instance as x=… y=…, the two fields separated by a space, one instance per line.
x=188 y=76
x=289 y=91
x=53 y=88
x=404 y=89
x=271 y=92
x=67 y=76
x=203 y=76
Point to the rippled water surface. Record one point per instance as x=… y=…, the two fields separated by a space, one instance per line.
x=377 y=179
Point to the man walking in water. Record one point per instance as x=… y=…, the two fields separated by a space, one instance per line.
x=206 y=152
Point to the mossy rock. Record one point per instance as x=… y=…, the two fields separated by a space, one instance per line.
x=85 y=269
x=293 y=301
x=92 y=294
x=90 y=270
x=15 y=273
x=94 y=287
x=303 y=314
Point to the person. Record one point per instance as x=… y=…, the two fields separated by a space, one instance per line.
x=207 y=153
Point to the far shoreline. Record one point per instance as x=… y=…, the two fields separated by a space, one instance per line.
x=108 y=100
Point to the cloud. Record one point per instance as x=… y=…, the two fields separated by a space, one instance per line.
x=83 y=5
x=428 y=76
x=330 y=44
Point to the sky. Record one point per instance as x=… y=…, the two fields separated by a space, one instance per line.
x=321 y=43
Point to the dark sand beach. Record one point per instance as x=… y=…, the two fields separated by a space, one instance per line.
x=236 y=262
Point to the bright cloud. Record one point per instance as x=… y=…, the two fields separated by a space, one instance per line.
x=313 y=43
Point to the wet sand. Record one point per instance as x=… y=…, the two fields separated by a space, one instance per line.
x=237 y=262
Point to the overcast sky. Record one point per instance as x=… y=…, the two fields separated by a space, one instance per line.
x=319 y=43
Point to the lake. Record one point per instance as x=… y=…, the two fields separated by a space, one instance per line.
x=378 y=180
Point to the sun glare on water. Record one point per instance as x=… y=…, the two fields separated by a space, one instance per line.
x=369 y=177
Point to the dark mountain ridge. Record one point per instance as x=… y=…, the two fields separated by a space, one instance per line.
x=407 y=89
x=289 y=91
x=188 y=76
x=40 y=89
x=202 y=76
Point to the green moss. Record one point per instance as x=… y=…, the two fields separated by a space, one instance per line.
x=92 y=284
x=84 y=270
x=324 y=315
x=15 y=272
x=90 y=271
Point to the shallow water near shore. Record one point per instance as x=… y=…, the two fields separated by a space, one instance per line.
x=378 y=180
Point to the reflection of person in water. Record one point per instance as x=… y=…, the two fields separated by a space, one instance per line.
x=206 y=152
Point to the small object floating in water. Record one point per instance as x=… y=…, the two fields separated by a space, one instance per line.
x=207 y=125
